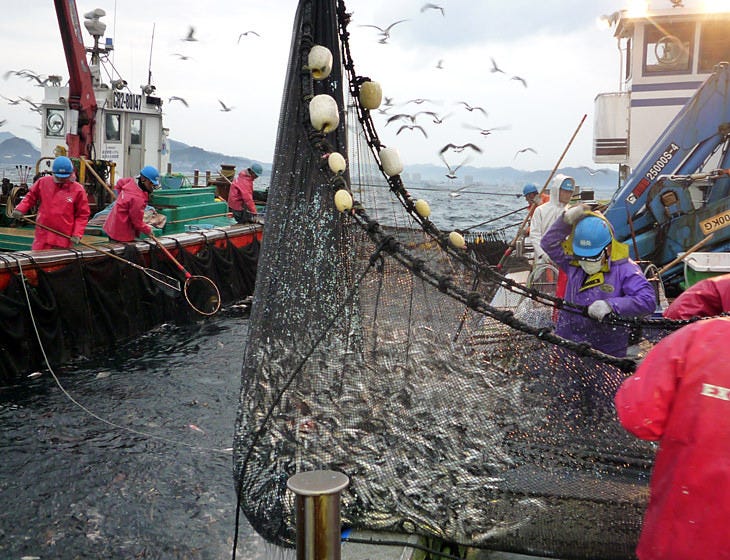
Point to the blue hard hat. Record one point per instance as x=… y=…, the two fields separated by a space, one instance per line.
x=257 y=169
x=529 y=188
x=591 y=236
x=62 y=167
x=150 y=172
x=568 y=184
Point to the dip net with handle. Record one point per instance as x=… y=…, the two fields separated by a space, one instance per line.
x=373 y=350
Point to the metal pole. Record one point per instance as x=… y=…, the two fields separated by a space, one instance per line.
x=318 y=513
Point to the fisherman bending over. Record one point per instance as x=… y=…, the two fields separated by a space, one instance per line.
x=601 y=276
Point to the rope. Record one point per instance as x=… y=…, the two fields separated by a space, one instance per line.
x=475 y=301
x=85 y=409
x=485 y=271
x=384 y=243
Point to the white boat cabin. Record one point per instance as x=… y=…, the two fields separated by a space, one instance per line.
x=128 y=130
x=666 y=55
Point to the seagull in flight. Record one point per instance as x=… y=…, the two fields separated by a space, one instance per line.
x=246 y=34
x=225 y=108
x=485 y=131
x=524 y=82
x=418 y=101
x=32 y=76
x=452 y=171
x=436 y=118
x=11 y=101
x=611 y=19
x=592 y=172
x=470 y=108
x=412 y=127
x=181 y=56
x=191 y=35
x=385 y=33
x=400 y=116
x=523 y=150
x=495 y=68
x=459 y=149
x=403 y=116
x=33 y=106
x=457 y=192
x=430 y=6
x=180 y=99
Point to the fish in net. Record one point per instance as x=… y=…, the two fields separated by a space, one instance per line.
x=374 y=351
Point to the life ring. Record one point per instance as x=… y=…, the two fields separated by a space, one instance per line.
x=668 y=49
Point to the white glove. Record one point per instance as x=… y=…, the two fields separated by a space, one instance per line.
x=573 y=215
x=599 y=309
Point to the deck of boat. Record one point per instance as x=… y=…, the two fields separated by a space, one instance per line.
x=238 y=233
x=21 y=238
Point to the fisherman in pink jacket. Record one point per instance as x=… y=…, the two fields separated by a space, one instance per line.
x=125 y=222
x=680 y=397
x=240 y=195
x=64 y=207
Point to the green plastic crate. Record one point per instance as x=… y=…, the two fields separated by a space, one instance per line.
x=699 y=266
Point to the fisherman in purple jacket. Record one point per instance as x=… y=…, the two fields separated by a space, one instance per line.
x=601 y=276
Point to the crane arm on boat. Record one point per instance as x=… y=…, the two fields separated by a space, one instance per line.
x=81 y=97
x=668 y=203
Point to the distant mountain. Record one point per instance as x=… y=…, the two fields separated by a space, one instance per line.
x=598 y=179
x=16 y=151
x=186 y=159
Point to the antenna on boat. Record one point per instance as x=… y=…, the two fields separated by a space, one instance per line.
x=114 y=31
x=149 y=66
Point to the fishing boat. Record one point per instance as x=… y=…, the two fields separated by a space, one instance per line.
x=374 y=351
x=667 y=129
x=90 y=297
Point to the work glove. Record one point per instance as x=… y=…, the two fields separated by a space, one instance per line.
x=17 y=214
x=573 y=215
x=599 y=309
x=75 y=239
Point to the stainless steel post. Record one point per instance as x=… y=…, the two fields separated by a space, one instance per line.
x=318 y=513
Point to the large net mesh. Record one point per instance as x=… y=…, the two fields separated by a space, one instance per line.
x=375 y=350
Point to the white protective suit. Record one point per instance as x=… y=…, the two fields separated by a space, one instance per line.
x=544 y=216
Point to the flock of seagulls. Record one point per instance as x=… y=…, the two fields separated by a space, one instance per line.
x=415 y=122
x=408 y=121
x=190 y=37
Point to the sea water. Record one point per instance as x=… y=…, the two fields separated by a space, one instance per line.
x=130 y=457
x=128 y=454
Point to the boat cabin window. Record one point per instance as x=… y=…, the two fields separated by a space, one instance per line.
x=629 y=53
x=714 y=45
x=668 y=48
x=135 y=132
x=55 y=122
x=112 y=128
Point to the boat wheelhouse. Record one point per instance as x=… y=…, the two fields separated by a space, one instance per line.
x=666 y=55
x=127 y=129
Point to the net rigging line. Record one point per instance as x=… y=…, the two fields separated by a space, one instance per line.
x=487 y=272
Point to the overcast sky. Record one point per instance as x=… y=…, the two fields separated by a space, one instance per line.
x=556 y=46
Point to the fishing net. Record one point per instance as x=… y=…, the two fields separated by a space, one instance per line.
x=111 y=301
x=374 y=350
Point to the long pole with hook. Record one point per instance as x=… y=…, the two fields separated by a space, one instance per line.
x=520 y=231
